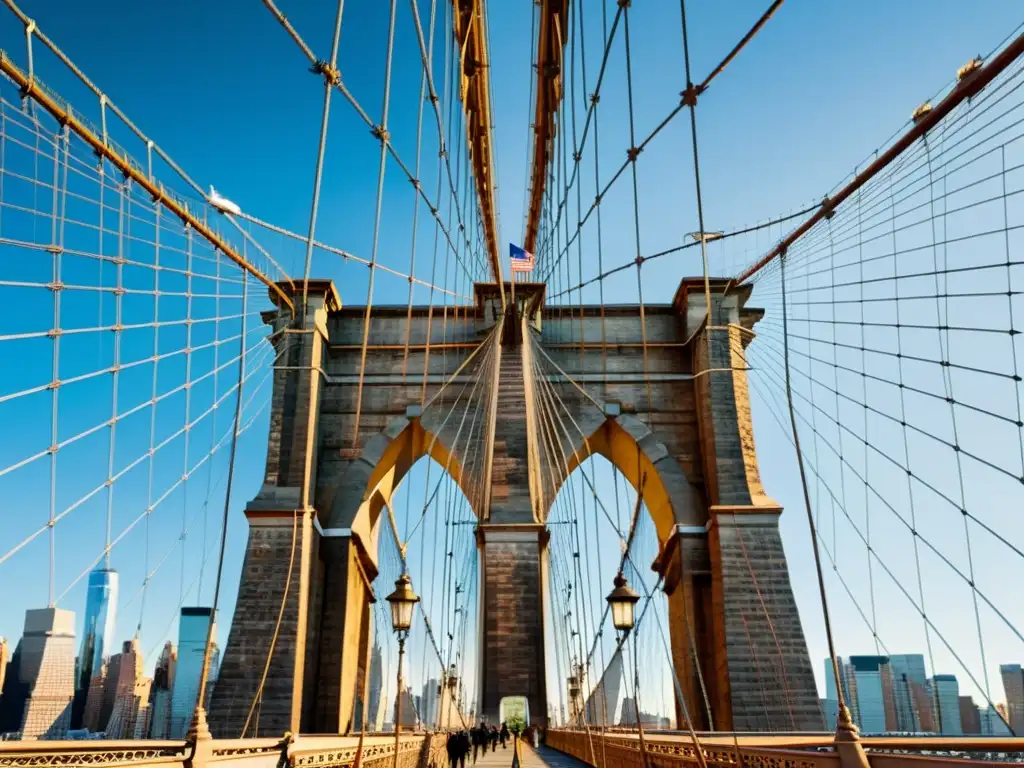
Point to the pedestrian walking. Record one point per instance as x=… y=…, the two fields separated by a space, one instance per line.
x=503 y=736
x=492 y=736
x=456 y=747
x=479 y=741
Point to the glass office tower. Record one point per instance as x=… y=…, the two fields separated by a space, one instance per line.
x=192 y=630
x=945 y=692
x=97 y=636
x=98 y=629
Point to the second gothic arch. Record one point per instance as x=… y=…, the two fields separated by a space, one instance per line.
x=641 y=457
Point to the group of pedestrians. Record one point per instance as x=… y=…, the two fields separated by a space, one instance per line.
x=475 y=740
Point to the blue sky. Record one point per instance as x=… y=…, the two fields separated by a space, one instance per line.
x=225 y=92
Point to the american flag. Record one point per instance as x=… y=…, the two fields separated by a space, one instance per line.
x=522 y=260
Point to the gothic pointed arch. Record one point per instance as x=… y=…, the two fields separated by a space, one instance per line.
x=349 y=554
x=369 y=482
x=644 y=460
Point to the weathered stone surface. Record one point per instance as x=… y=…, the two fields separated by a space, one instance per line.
x=344 y=646
x=771 y=682
x=260 y=592
x=513 y=620
x=736 y=637
x=685 y=564
x=510 y=484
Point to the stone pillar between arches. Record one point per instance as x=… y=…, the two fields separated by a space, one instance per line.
x=343 y=677
x=512 y=561
x=686 y=572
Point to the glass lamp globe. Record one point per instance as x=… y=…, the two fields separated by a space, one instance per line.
x=622 y=600
x=402 y=601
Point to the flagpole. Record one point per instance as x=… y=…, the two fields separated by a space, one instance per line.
x=512 y=276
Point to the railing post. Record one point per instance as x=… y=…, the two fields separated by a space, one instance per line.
x=847 y=742
x=200 y=740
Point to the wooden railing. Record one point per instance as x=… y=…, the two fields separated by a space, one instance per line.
x=378 y=751
x=622 y=749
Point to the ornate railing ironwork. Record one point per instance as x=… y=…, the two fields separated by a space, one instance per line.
x=378 y=751
x=616 y=748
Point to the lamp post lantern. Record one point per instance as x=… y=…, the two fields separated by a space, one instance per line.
x=623 y=602
x=403 y=600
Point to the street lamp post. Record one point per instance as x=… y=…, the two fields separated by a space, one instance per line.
x=403 y=600
x=622 y=600
x=453 y=685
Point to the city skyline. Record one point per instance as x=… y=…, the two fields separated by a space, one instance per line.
x=890 y=694
x=45 y=694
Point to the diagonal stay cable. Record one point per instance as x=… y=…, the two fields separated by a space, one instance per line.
x=892 y=576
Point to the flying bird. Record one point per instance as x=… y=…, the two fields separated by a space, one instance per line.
x=222 y=204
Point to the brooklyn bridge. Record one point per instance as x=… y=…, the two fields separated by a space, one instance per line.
x=315 y=468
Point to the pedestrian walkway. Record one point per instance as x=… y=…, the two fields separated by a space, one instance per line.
x=530 y=758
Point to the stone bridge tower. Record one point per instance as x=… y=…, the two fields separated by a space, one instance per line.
x=657 y=391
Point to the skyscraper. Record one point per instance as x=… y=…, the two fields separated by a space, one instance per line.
x=925 y=706
x=92 y=718
x=849 y=682
x=604 y=699
x=375 y=712
x=945 y=692
x=1004 y=713
x=12 y=696
x=417 y=702
x=160 y=693
x=629 y=715
x=192 y=630
x=43 y=687
x=909 y=681
x=97 y=634
x=1013 y=687
x=875 y=701
x=128 y=691
x=431 y=698
x=409 y=717
x=867 y=689
x=830 y=708
x=992 y=723
x=970 y=717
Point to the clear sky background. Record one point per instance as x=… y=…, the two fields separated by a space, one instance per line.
x=227 y=94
